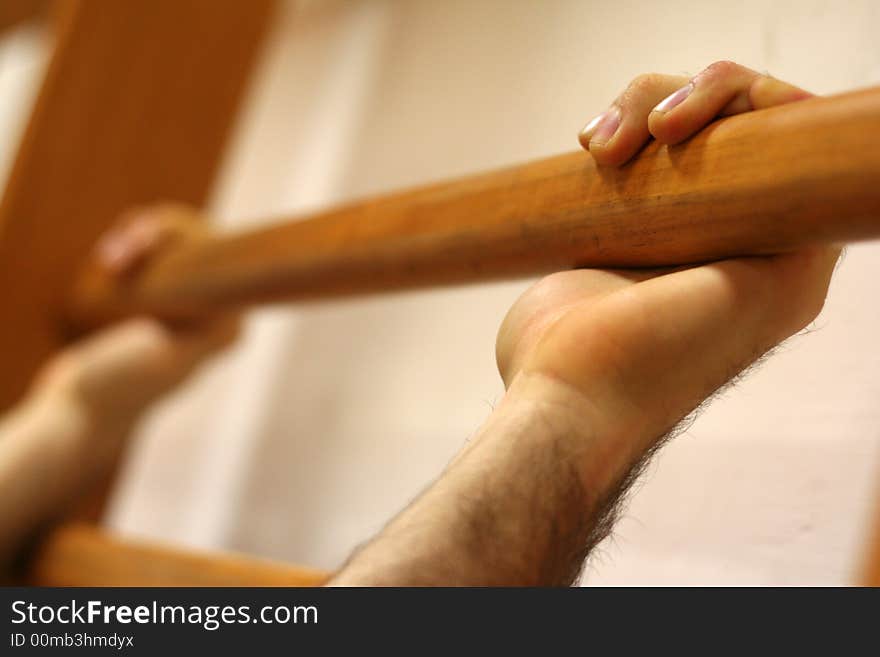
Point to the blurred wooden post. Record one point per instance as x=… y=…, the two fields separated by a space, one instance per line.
x=136 y=106
x=15 y=12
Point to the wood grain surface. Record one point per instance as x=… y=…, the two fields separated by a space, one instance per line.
x=761 y=182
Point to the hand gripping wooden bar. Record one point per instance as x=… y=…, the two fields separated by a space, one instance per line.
x=761 y=182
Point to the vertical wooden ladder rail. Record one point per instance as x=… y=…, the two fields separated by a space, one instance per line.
x=136 y=106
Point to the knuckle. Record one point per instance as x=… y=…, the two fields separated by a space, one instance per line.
x=644 y=83
x=722 y=68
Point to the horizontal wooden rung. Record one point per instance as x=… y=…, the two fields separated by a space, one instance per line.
x=79 y=554
x=761 y=182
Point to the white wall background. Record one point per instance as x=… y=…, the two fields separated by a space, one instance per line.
x=327 y=419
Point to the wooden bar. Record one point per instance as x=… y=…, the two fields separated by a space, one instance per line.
x=78 y=554
x=760 y=182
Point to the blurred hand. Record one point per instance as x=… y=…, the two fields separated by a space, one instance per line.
x=71 y=427
x=632 y=351
x=117 y=372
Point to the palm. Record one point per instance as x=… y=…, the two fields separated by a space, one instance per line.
x=651 y=345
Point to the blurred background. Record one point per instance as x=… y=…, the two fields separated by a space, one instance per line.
x=327 y=419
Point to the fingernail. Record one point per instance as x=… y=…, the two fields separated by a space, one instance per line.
x=674 y=99
x=601 y=129
x=588 y=129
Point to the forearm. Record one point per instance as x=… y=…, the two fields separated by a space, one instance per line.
x=41 y=463
x=70 y=430
x=521 y=505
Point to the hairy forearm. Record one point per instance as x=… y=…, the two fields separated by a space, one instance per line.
x=521 y=505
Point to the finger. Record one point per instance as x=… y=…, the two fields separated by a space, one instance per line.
x=94 y=367
x=143 y=231
x=132 y=363
x=124 y=247
x=722 y=89
x=616 y=135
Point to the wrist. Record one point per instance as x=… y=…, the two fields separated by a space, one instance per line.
x=600 y=436
x=520 y=504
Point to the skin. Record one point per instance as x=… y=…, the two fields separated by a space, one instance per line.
x=598 y=367
x=71 y=427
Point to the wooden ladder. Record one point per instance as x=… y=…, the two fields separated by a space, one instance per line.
x=129 y=83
